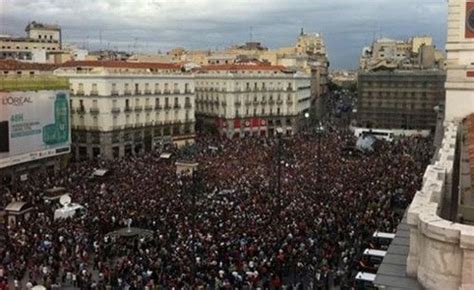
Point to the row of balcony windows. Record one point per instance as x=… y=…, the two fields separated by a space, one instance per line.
x=116 y=110
x=129 y=92
x=248 y=89
x=247 y=103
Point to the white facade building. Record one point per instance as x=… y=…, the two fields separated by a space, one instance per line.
x=120 y=108
x=251 y=99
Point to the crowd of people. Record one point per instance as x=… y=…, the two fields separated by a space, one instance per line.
x=225 y=227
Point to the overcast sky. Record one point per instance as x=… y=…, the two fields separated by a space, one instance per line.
x=151 y=25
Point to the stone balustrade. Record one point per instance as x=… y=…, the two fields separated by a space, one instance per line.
x=441 y=252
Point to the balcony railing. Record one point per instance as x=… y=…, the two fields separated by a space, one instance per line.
x=79 y=93
x=238 y=103
x=248 y=103
x=289 y=102
x=127 y=126
x=127 y=109
x=158 y=107
x=166 y=92
x=255 y=102
x=188 y=91
x=114 y=93
x=94 y=93
x=94 y=111
x=147 y=92
x=81 y=110
x=115 y=110
x=263 y=102
x=176 y=91
x=176 y=106
x=188 y=105
x=138 y=108
x=279 y=102
x=271 y=102
x=148 y=108
x=127 y=93
x=167 y=107
x=224 y=104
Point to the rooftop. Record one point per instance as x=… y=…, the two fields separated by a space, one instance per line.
x=38 y=25
x=32 y=83
x=10 y=64
x=246 y=66
x=121 y=64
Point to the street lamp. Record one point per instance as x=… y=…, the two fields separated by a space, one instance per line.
x=306 y=116
x=279 y=131
x=319 y=130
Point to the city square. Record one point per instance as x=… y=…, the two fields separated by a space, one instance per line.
x=293 y=145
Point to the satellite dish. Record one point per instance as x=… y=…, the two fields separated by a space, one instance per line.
x=65 y=200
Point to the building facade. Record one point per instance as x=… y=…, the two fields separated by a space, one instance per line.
x=120 y=108
x=460 y=59
x=400 y=99
x=414 y=53
x=41 y=41
x=251 y=100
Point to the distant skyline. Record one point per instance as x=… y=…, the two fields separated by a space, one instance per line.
x=151 y=25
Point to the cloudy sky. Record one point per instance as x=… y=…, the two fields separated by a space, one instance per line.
x=152 y=25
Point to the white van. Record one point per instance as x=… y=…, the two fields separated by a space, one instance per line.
x=364 y=280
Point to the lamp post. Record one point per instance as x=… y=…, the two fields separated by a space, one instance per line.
x=306 y=116
x=195 y=181
x=279 y=131
x=319 y=132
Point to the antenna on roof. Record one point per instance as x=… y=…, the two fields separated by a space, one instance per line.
x=100 y=38
x=251 y=34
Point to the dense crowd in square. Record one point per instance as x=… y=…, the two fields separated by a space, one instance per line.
x=226 y=227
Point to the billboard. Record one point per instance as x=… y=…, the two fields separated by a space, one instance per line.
x=33 y=125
